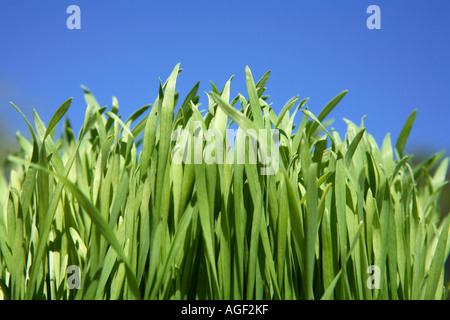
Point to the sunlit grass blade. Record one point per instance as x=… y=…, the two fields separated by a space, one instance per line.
x=404 y=134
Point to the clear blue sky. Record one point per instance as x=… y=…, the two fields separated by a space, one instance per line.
x=314 y=48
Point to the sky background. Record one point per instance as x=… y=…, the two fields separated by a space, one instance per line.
x=314 y=48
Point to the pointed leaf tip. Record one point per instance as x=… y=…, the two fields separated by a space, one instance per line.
x=404 y=134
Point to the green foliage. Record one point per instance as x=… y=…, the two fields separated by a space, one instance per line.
x=112 y=201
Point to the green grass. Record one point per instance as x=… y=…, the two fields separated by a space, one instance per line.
x=112 y=201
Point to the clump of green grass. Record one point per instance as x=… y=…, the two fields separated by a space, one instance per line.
x=111 y=201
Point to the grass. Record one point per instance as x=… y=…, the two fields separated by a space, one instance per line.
x=139 y=225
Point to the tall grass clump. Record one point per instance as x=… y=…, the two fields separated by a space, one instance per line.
x=338 y=217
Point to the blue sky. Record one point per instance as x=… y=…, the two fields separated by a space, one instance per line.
x=314 y=48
